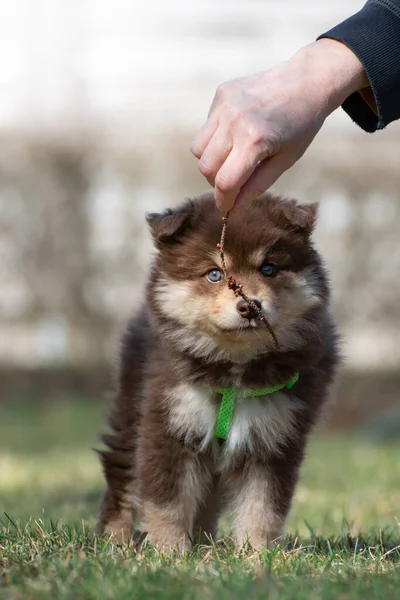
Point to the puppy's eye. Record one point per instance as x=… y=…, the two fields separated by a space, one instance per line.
x=268 y=270
x=214 y=276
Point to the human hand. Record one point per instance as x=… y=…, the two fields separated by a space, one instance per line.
x=259 y=126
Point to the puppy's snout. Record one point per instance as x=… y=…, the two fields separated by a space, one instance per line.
x=246 y=311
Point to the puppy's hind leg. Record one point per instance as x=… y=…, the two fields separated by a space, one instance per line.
x=118 y=513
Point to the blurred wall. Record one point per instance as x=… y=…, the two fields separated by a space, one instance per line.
x=99 y=101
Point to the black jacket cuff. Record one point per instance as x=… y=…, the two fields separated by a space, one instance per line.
x=373 y=34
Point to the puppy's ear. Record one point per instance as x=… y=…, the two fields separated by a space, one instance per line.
x=302 y=217
x=168 y=227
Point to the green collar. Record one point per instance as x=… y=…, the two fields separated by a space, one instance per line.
x=224 y=418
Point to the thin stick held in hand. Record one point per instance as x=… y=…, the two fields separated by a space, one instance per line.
x=237 y=287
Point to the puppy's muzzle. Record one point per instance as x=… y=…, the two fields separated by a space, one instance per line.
x=246 y=311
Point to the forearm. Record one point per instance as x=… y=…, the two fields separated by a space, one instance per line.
x=333 y=69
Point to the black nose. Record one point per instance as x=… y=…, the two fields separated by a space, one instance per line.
x=245 y=310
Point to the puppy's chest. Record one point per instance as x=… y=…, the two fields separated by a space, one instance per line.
x=265 y=421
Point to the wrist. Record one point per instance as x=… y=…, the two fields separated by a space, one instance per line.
x=334 y=69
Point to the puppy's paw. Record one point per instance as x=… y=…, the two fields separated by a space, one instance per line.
x=261 y=541
x=120 y=533
x=168 y=544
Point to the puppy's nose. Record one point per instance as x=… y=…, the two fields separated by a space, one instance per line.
x=246 y=311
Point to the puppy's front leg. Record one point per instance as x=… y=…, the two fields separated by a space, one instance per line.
x=261 y=496
x=173 y=481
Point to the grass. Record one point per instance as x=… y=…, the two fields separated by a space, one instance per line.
x=343 y=535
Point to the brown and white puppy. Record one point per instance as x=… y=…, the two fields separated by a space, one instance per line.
x=192 y=336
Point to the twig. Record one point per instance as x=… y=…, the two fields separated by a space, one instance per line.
x=237 y=287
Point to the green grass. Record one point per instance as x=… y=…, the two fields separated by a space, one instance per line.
x=342 y=543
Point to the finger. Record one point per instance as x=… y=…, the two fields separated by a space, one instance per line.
x=216 y=153
x=203 y=137
x=225 y=202
x=234 y=173
x=263 y=177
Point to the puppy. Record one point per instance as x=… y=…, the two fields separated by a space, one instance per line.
x=210 y=416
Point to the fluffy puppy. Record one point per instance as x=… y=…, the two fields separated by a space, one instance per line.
x=191 y=340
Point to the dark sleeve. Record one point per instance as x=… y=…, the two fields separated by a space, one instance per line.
x=373 y=34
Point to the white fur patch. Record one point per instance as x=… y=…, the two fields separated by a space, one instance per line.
x=175 y=299
x=270 y=418
x=192 y=413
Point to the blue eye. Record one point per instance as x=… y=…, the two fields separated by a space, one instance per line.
x=268 y=270
x=214 y=276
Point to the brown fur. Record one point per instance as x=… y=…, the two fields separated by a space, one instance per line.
x=163 y=461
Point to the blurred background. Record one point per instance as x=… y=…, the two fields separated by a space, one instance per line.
x=99 y=102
